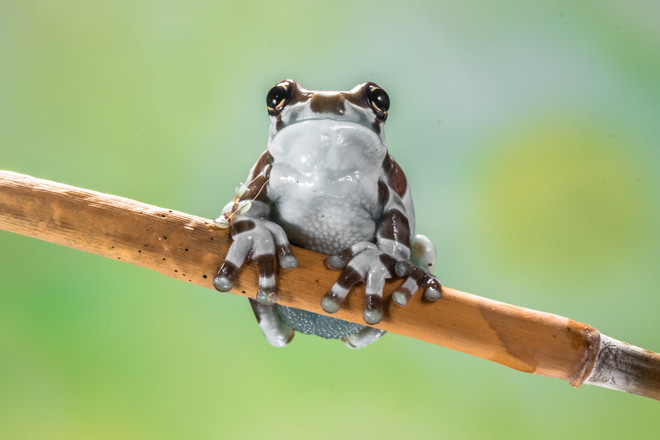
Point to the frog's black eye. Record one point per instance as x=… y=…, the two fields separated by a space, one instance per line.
x=378 y=100
x=278 y=97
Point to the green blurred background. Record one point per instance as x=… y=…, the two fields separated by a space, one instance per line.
x=530 y=134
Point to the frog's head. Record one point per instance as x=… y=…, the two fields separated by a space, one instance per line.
x=327 y=125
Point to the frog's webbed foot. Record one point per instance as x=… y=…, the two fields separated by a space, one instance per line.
x=362 y=262
x=258 y=240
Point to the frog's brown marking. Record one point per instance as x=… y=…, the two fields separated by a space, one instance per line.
x=266 y=264
x=388 y=261
x=264 y=160
x=396 y=178
x=373 y=302
x=328 y=103
x=242 y=226
x=335 y=297
x=395 y=227
x=383 y=193
x=298 y=93
x=228 y=270
x=359 y=97
x=256 y=189
x=349 y=278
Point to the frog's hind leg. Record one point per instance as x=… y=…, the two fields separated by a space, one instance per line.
x=276 y=331
x=363 y=338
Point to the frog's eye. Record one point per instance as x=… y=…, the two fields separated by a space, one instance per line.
x=378 y=100
x=278 y=97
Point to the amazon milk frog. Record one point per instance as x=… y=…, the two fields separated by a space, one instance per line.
x=327 y=183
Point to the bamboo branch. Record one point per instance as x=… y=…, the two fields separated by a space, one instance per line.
x=191 y=248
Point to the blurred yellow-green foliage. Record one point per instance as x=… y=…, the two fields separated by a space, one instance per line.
x=530 y=133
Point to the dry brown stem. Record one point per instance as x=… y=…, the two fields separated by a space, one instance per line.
x=191 y=248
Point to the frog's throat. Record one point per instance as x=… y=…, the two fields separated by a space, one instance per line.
x=343 y=144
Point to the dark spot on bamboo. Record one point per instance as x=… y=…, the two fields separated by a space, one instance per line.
x=164 y=237
x=243 y=291
x=204 y=276
x=186 y=249
x=176 y=271
x=164 y=258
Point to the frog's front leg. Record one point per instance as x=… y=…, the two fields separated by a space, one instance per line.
x=255 y=237
x=374 y=263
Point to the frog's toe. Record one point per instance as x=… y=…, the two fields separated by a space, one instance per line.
x=335 y=262
x=288 y=261
x=335 y=297
x=432 y=287
x=363 y=338
x=418 y=278
x=373 y=308
x=267 y=292
x=238 y=252
x=374 y=315
x=401 y=298
x=286 y=258
x=330 y=303
x=224 y=279
x=403 y=268
x=267 y=296
x=283 y=248
x=405 y=291
x=222 y=284
x=277 y=332
x=432 y=294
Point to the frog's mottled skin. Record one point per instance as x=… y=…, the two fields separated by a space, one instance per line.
x=327 y=183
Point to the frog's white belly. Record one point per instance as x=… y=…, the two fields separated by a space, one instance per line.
x=321 y=213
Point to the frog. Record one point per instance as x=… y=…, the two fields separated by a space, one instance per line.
x=327 y=183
